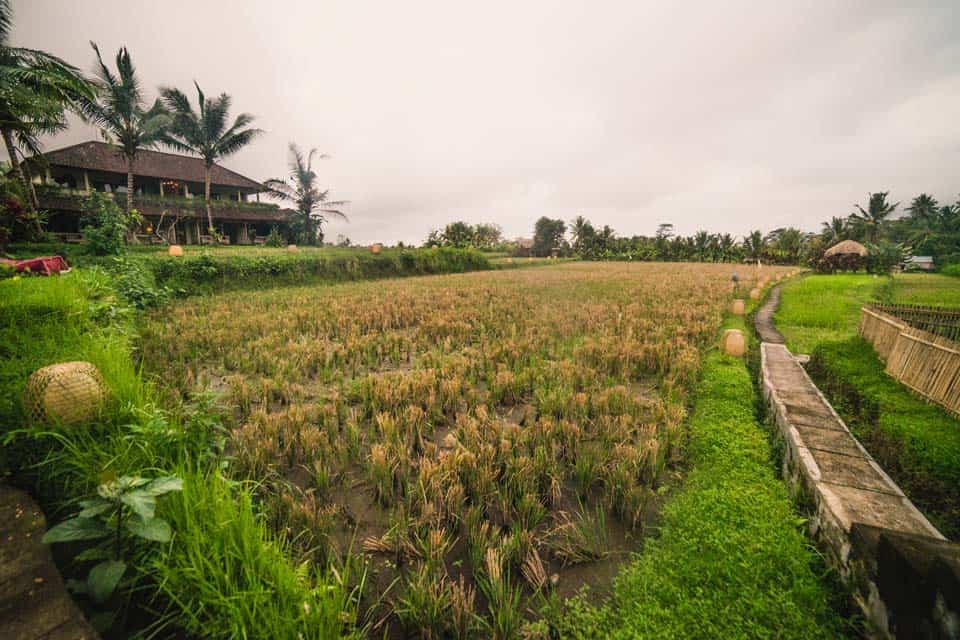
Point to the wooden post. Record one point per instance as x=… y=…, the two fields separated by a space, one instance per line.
x=47 y=177
x=86 y=181
x=161 y=187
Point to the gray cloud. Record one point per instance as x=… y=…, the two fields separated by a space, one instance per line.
x=724 y=116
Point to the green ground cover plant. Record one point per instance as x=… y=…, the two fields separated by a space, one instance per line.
x=731 y=560
x=927 y=289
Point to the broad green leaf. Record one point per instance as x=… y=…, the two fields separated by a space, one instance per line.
x=143 y=504
x=103 y=579
x=76 y=529
x=163 y=485
x=93 y=508
x=155 y=529
x=93 y=553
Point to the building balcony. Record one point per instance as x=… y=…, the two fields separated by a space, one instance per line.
x=154 y=205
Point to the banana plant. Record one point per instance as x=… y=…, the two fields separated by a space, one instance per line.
x=123 y=507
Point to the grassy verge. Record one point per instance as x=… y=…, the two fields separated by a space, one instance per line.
x=221 y=575
x=205 y=269
x=732 y=560
x=917 y=443
x=928 y=289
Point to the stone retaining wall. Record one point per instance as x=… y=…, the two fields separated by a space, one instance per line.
x=905 y=574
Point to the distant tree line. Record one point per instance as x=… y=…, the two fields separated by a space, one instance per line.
x=463 y=235
x=928 y=228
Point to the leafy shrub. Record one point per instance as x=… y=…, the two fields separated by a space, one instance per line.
x=274 y=239
x=135 y=284
x=884 y=257
x=208 y=271
x=17 y=221
x=104 y=224
x=841 y=262
x=951 y=270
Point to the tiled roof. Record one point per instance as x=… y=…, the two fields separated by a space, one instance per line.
x=100 y=156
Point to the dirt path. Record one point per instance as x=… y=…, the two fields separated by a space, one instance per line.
x=764 y=318
x=33 y=601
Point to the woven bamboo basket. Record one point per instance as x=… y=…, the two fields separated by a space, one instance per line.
x=376 y=248
x=737 y=307
x=68 y=393
x=175 y=250
x=733 y=343
x=754 y=294
x=292 y=248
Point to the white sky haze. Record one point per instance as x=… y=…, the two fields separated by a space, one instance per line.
x=723 y=116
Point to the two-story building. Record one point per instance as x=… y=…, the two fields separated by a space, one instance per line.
x=168 y=193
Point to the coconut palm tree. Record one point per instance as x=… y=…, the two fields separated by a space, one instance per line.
x=205 y=132
x=872 y=219
x=121 y=114
x=835 y=230
x=923 y=207
x=754 y=246
x=580 y=230
x=36 y=89
x=312 y=203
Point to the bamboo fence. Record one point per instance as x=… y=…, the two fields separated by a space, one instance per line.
x=928 y=362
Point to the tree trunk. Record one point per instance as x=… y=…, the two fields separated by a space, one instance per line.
x=28 y=193
x=131 y=231
x=129 y=184
x=206 y=198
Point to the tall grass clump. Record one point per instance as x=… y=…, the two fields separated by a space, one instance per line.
x=223 y=576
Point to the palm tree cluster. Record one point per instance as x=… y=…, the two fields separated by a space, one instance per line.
x=929 y=228
x=781 y=246
x=37 y=90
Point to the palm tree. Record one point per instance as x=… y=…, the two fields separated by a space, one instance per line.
x=120 y=113
x=580 y=230
x=302 y=190
x=754 y=246
x=726 y=245
x=871 y=220
x=36 y=89
x=923 y=207
x=205 y=132
x=834 y=230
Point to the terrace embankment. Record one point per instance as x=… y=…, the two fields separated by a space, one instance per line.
x=33 y=600
x=905 y=574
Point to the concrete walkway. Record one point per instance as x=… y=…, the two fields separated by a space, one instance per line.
x=34 y=604
x=905 y=575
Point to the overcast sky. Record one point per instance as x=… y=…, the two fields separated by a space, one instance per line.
x=725 y=116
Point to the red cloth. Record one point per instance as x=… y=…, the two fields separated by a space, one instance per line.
x=46 y=265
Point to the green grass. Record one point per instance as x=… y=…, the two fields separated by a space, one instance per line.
x=731 y=560
x=824 y=307
x=929 y=289
x=222 y=569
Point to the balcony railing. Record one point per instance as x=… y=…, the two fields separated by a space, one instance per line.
x=156 y=200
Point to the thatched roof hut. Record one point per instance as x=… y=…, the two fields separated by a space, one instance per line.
x=846 y=247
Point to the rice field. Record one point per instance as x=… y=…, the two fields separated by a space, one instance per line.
x=480 y=444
